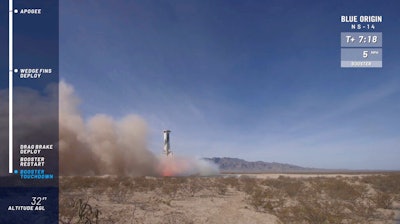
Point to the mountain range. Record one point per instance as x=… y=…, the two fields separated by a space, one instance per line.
x=236 y=165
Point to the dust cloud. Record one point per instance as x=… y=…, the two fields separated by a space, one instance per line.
x=101 y=145
x=105 y=146
x=98 y=145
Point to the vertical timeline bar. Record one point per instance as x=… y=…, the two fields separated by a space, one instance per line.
x=10 y=88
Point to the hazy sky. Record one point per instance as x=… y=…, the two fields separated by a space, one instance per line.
x=258 y=80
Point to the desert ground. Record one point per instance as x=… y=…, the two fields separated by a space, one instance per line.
x=232 y=198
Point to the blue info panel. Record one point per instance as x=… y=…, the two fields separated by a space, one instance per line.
x=29 y=111
x=361 y=49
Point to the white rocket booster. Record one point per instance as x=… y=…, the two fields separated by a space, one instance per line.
x=167 y=149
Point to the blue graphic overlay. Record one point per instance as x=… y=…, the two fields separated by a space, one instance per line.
x=29 y=163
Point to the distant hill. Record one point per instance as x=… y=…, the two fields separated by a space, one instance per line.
x=236 y=165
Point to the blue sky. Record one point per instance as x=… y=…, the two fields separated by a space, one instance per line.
x=258 y=80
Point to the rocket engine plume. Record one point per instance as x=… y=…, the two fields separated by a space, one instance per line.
x=185 y=166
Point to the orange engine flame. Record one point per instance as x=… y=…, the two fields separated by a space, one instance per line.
x=173 y=167
x=182 y=166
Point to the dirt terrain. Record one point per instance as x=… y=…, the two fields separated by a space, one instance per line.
x=232 y=198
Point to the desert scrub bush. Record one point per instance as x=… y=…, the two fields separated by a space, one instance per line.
x=119 y=195
x=265 y=199
x=317 y=200
x=193 y=186
x=291 y=186
x=219 y=186
x=316 y=210
x=75 y=183
x=222 y=189
x=142 y=184
x=69 y=184
x=383 y=200
x=66 y=210
x=248 y=184
x=176 y=217
x=312 y=210
x=388 y=183
x=230 y=181
x=339 y=189
x=98 y=191
x=363 y=211
x=170 y=186
x=127 y=182
x=173 y=180
x=78 y=212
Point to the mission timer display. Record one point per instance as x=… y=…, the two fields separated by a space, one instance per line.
x=361 y=49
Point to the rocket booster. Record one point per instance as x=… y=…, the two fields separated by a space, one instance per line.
x=167 y=149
